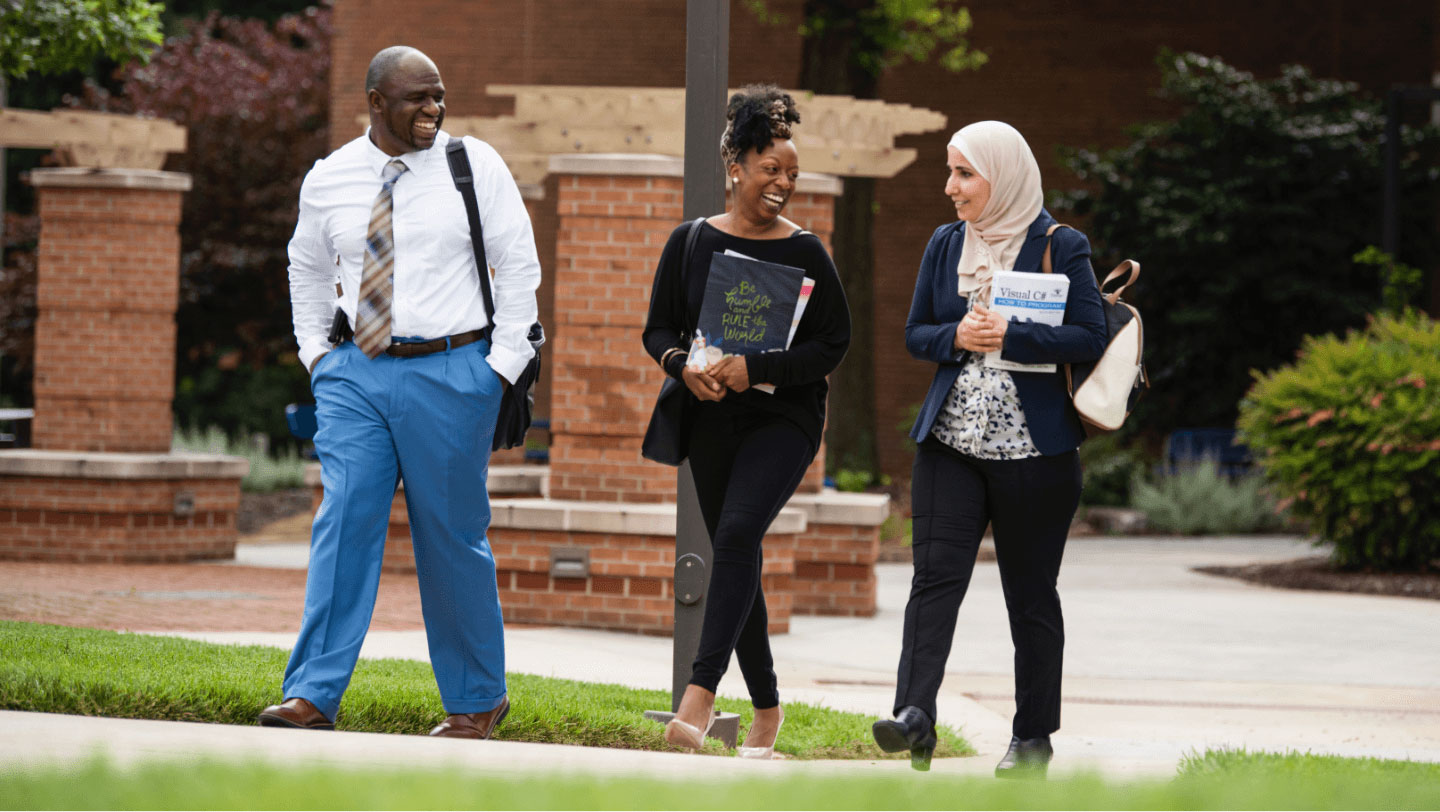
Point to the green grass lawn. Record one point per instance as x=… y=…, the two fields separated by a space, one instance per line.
x=1225 y=780
x=58 y=669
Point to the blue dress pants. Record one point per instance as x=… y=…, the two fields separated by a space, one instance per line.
x=427 y=421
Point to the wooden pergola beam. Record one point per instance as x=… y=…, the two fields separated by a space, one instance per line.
x=88 y=138
x=838 y=135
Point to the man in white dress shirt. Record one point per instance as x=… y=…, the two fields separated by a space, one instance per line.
x=413 y=397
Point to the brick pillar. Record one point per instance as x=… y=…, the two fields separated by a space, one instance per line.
x=615 y=213
x=108 y=287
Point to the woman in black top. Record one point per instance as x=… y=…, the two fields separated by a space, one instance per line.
x=748 y=449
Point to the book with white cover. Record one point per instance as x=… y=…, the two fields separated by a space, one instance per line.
x=1022 y=296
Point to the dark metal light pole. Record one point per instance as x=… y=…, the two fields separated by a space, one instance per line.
x=1390 y=202
x=707 y=73
x=1390 y=217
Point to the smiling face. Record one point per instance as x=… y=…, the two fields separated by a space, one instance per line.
x=407 y=107
x=965 y=187
x=766 y=181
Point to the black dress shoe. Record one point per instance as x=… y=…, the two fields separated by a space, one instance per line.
x=912 y=729
x=1026 y=758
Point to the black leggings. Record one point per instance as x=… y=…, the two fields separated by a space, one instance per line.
x=1030 y=503
x=746 y=467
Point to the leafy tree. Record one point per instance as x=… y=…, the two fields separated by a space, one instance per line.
x=846 y=47
x=1245 y=210
x=55 y=36
x=255 y=98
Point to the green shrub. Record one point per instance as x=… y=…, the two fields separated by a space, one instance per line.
x=1350 y=436
x=857 y=481
x=1109 y=469
x=897 y=528
x=1198 y=499
x=1243 y=208
x=268 y=472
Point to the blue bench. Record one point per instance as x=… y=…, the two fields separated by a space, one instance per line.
x=300 y=417
x=15 y=427
x=1190 y=446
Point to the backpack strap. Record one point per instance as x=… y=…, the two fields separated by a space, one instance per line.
x=1045 y=264
x=1128 y=266
x=464 y=179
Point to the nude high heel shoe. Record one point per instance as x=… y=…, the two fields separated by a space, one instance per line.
x=683 y=734
x=765 y=753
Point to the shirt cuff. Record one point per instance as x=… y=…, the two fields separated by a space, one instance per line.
x=506 y=362
x=313 y=348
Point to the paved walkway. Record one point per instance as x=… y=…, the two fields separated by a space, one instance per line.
x=1160 y=661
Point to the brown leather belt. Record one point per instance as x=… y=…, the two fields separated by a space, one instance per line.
x=419 y=348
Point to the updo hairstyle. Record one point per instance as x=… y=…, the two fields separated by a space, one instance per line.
x=754 y=118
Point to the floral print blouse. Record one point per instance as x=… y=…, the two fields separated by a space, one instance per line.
x=981 y=417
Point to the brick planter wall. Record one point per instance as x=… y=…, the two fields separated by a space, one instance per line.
x=631 y=581
x=108 y=282
x=118 y=508
x=98 y=486
x=835 y=570
x=835 y=556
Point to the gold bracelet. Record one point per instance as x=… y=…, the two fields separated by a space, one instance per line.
x=670 y=353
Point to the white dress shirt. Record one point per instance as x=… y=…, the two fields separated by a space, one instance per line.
x=437 y=292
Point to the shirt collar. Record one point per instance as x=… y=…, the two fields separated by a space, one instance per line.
x=377 y=158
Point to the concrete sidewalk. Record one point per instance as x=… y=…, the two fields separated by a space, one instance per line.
x=1160 y=661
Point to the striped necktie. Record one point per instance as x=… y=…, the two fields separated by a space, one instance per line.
x=377 y=290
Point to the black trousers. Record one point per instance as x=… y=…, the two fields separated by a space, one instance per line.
x=1030 y=503
x=746 y=467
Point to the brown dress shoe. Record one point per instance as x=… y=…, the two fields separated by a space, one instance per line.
x=472 y=725
x=295 y=712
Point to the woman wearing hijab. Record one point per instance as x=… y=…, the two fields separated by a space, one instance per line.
x=748 y=448
x=994 y=448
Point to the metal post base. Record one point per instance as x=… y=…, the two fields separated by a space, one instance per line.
x=726 y=727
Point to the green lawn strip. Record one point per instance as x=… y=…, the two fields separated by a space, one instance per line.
x=58 y=669
x=1251 y=782
x=1306 y=766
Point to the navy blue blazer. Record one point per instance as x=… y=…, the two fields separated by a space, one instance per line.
x=938 y=308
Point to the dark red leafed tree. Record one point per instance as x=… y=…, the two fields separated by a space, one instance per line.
x=254 y=97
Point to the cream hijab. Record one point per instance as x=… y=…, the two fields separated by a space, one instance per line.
x=992 y=242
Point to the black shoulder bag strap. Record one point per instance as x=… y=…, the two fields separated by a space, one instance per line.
x=465 y=182
x=682 y=301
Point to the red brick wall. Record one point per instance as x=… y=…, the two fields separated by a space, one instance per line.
x=105 y=337
x=555 y=42
x=110 y=520
x=1074 y=74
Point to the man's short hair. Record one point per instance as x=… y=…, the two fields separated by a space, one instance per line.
x=383 y=63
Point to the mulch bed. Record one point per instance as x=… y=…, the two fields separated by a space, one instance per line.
x=260 y=509
x=1318 y=573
